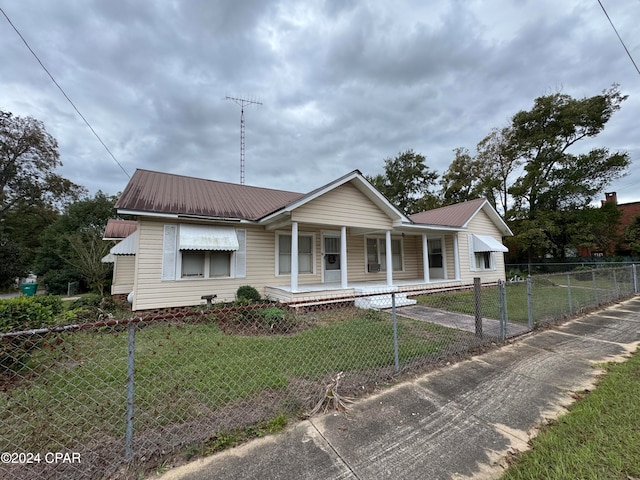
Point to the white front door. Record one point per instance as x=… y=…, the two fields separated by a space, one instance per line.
x=331 y=258
x=436 y=259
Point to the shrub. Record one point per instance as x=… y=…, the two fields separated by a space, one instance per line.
x=52 y=301
x=23 y=313
x=247 y=292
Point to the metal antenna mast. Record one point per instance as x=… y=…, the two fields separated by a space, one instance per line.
x=243 y=103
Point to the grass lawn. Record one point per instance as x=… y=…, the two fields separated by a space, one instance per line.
x=552 y=297
x=598 y=439
x=76 y=387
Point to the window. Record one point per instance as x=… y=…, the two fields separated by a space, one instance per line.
x=377 y=255
x=193 y=265
x=305 y=253
x=482 y=252
x=213 y=264
x=220 y=264
x=191 y=251
x=483 y=260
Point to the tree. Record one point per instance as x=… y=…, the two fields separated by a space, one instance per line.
x=82 y=222
x=498 y=163
x=540 y=138
x=463 y=180
x=406 y=182
x=632 y=236
x=555 y=183
x=28 y=158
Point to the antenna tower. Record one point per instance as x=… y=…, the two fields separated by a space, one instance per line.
x=243 y=103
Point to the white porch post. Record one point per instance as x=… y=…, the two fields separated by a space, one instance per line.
x=425 y=258
x=294 y=256
x=343 y=257
x=388 y=258
x=456 y=256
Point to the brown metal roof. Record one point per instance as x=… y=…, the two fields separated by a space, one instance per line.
x=451 y=216
x=157 y=192
x=119 y=228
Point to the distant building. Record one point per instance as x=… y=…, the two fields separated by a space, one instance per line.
x=629 y=211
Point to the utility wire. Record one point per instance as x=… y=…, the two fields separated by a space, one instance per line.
x=619 y=38
x=64 y=93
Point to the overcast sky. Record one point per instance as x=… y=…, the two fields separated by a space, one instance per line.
x=343 y=84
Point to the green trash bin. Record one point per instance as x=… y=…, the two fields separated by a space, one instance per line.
x=29 y=289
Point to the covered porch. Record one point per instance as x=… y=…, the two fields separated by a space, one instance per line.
x=377 y=291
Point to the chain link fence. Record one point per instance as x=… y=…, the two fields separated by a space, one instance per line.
x=128 y=398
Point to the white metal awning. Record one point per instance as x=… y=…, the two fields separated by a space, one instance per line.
x=206 y=237
x=128 y=246
x=486 y=243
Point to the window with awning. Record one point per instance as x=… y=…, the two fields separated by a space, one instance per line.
x=482 y=250
x=208 y=238
x=486 y=243
x=203 y=251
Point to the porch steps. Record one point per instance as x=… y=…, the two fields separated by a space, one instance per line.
x=383 y=300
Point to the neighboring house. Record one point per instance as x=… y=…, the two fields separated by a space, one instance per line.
x=628 y=213
x=197 y=237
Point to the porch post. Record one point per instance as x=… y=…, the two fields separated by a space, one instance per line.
x=456 y=256
x=425 y=258
x=388 y=258
x=294 y=256
x=343 y=257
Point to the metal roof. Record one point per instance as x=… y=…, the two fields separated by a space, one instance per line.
x=451 y=216
x=165 y=193
x=117 y=229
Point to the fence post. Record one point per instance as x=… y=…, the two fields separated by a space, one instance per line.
x=616 y=287
x=396 y=357
x=502 y=309
x=529 y=303
x=635 y=278
x=477 y=294
x=595 y=288
x=128 y=438
x=569 y=294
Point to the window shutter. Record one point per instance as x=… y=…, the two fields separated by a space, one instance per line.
x=472 y=256
x=241 y=254
x=169 y=252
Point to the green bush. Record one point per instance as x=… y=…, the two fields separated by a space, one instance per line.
x=23 y=313
x=247 y=292
x=52 y=301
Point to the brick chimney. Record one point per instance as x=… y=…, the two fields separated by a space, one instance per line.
x=610 y=197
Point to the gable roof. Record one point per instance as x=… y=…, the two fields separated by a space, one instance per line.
x=356 y=179
x=460 y=214
x=165 y=193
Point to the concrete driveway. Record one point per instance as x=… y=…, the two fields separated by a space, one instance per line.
x=457 y=422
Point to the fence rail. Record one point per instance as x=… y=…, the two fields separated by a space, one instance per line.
x=121 y=398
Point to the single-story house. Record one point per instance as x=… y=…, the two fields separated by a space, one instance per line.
x=197 y=237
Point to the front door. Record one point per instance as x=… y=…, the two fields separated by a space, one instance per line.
x=331 y=258
x=436 y=259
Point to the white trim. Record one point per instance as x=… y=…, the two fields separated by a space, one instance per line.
x=287 y=233
x=378 y=238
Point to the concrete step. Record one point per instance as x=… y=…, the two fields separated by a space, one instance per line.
x=381 y=302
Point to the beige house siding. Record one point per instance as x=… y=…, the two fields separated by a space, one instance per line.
x=153 y=292
x=480 y=224
x=124 y=269
x=343 y=206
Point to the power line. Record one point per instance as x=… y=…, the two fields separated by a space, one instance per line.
x=619 y=37
x=64 y=93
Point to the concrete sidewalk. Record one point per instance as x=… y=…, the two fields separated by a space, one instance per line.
x=457 y=422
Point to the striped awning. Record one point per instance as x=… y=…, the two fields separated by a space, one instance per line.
x=207 y=237
x=486 y=243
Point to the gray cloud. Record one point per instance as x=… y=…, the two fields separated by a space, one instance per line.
x=344 y=84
